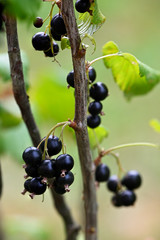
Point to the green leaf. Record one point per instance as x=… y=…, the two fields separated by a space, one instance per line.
x=25 y=10
x=155 y=124
x=91 y=22
x=5 y=67
x=7 y=119
x=132 y=76
x=65 y=43
x=97 y=135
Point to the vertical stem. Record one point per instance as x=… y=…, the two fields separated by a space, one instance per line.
x=81 y=91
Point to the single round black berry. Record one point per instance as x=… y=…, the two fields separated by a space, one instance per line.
x=32 y=156
x=68 y=179
x=57 y=24
x=49 y=53
x=92 y=74
x=98 y=91
x=102 y=173
x=47 y=168
x=55 y=36
x=95 y=108
x=41 y=41
x=32 y=171
x=113 y=183
x=36 y=186
x=38 y=22
x=132 y=180
x=27 y=185
x=82 y=5
x=93 y=121
x=54 y=145
x=128 y=198
x=116 y=200
x=70 y=79
x=64 y=162
x=58 y=189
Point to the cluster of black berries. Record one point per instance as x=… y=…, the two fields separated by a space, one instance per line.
x=123 y=189
x=41 y=41
x=56 y=172
x=82 y=6
x=98 y=91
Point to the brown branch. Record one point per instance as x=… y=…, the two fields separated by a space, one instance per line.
x=81 y=90
x=1 y=182
x=23 y=102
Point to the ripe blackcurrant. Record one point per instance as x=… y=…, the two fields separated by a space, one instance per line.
x=36 y=186
x=32 y=171
x=128 y=198
x=64 y=162
x=58 y=189
x=55 y=36
x=32 y=156
x=48 y=53
x=82 y=5
x=54 y=145
x=41 y=41
x=98 y=91
x=92 y=74
x=113 y=183
x=95 y=108
x=26 y=185
x=70 y=79
x=102 y=173
x=38 y=22
x=116 y=200
x=68 y=179
x=57 y=24
x=132 y=180
x=47 y=169
x=93 y=121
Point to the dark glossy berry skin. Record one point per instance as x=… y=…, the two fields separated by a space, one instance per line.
x=54 y=145
x=113 y=183
x=58 y=189
x=93 y=121
x=55 y=36
x=47 y=168
x=98 y=91
x=38 y=22
x=68 y=179
x=70 y=79
x=102 y=173
x=32 y=171
x=82 y=6
x=36 y=186
x=57 y=24
x=64 y=162
x=27 y=184
x=116 y=200
x=49 y=53
x=91 y=74
x=41 y=41
x=95 y=108
x=132 y=180
x=128 y=198
x=32 y=156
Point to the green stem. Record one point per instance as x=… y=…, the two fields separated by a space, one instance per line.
x=61 y=137
x=130 y=145
x=105 y=56
x=120 y=168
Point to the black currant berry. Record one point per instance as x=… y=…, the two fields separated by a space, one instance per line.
x=113 y=183
x=27 y=185
x=48 y=53
x=38 y=22
x=116 y=200
x=47 y=169
x=68 y=179
x=58 y=189
x=98 y=91
x=102 y=173
x=41 y=41
x=70 y=79
x=55 y=36
x=92 y=74
x=132 y=180
x=95 y=108
x=64 y=162
x=82 y=5
x=93 y=121
x=32 y=171
x=36 y=186
x=54 y=145
x=128 y=198
x=32 y=156
x=57 y=24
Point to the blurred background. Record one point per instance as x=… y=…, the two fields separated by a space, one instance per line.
x=134 y=26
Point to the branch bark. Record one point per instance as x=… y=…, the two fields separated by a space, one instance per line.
x=23 y=102
x=81 y=92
